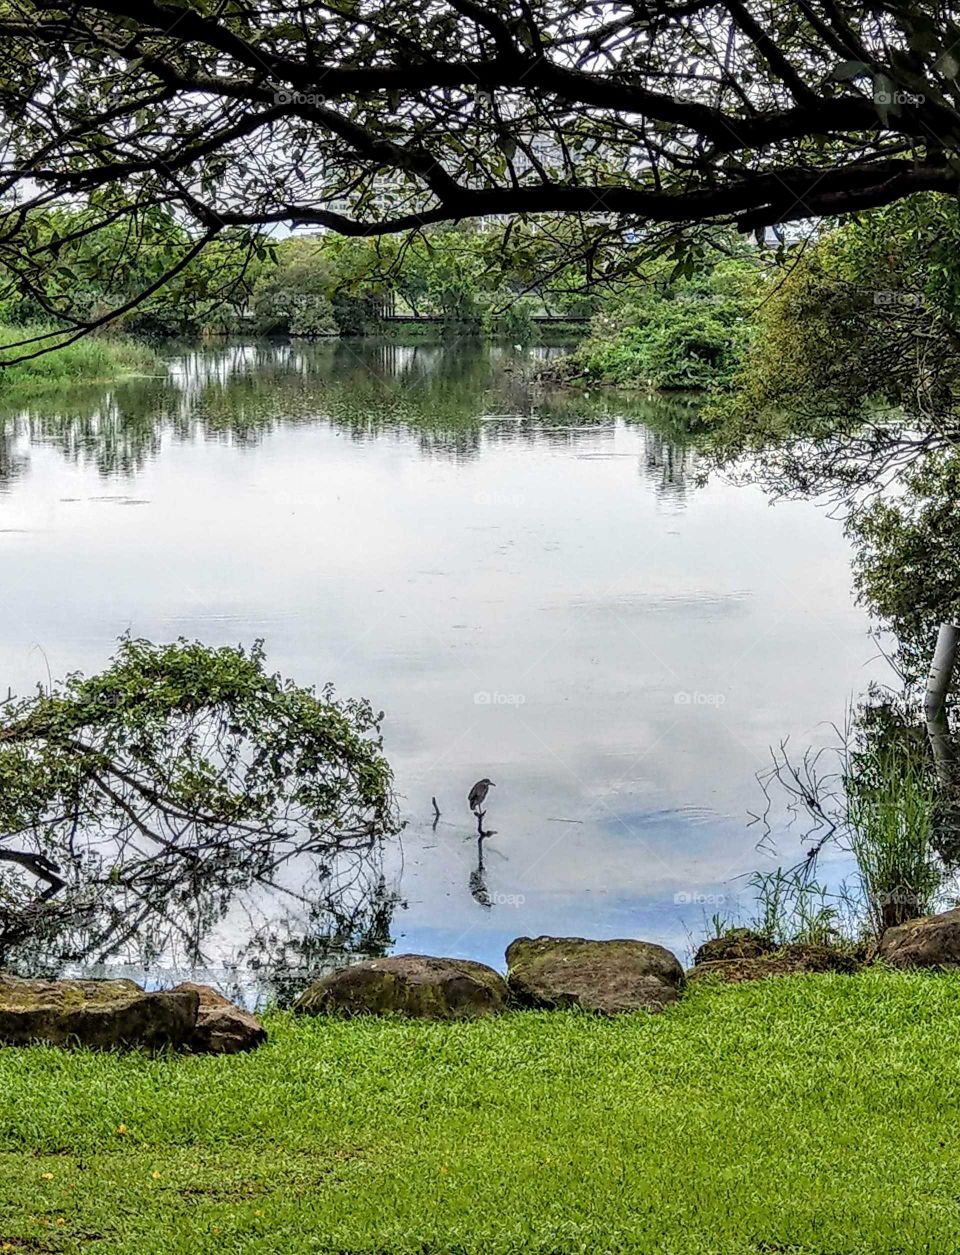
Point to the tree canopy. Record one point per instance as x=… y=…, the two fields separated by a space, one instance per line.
x=850 y=388
x=853 y=370
x=225 y=119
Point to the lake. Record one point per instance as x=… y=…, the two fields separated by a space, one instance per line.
x=543 y=590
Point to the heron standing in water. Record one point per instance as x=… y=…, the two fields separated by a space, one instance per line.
x=478 y=793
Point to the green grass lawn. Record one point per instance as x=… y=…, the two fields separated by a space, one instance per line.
x=809 y=1114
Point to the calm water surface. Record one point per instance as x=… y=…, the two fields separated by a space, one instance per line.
x=539 y=590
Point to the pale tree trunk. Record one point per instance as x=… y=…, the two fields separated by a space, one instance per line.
x=941 y=670
x=943 y=750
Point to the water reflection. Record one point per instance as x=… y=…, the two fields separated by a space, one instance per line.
x=453 y=397
x=478 y=879
x=261 y=935
x=535 y=587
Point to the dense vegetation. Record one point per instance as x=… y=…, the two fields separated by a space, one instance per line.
x=473 y=280
x=669 y=323
x=850 y=387
x=89 y=360
x=810 y=1113
x=678 y=325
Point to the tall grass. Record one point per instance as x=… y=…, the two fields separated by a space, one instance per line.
x=790 y=907
x=93 y=358
x=891 y=801
x=879 y=801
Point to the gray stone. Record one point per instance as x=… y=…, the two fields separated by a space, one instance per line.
x=930 y=941
x=414 y=985
x=739 y=943
x=99 y=1014
x=602 y=976
x=222 y=1027
x=789 y=960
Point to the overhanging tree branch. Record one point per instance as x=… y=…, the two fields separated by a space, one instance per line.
x=396 y=117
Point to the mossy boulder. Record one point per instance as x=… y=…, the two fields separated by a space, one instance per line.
x=222 y=1027
x=738 y=943
x=603 y=976
x=415 y=985
x=930 y=941
x=97 y=1014
x=790 y=960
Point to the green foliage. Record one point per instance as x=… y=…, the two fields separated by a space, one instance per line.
x=90 y=273
x=735 y=1122
x=292 y=294
x=516 y=322
x=686 y=332
x=491 y=281
x=92 y=359
x=217 y=740
x=907 y=558
x=791 y=907
x=891 y=807
x=476 y=281
x=158 y=789
x=864 y=325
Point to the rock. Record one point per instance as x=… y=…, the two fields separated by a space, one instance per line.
x=415 y=985
x=787 y=961
x=222 y=1027
x=603 y=976
x=930 y=941
x=99 y=1014
x=739 y=943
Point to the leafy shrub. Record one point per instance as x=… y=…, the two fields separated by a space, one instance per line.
x=516 y=322
x=92 y=358
x=690 y=343
x=688 y=333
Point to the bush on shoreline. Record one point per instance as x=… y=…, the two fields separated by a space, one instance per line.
x=93 y=358
x=671 y=334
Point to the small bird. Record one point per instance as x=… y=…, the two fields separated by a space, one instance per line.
x=479 y=791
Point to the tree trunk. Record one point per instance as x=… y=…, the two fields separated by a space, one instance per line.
x=941 y=670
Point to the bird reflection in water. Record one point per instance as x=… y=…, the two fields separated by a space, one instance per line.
x=478 y=879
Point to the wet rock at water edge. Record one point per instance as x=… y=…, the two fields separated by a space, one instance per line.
x=790 y=960
x=739 y=943
x=222 y=1027
x=604 y=976
x=415 y=985
x=98 y=1014
x=930 y=941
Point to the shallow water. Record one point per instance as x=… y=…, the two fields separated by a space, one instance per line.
x=537 y=590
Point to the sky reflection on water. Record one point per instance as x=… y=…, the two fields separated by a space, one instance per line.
x=535 y=590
